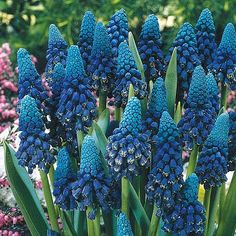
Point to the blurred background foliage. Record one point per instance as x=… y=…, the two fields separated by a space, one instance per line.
x=24 y=23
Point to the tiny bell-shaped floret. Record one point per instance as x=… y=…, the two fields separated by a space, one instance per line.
x=232 y=142
x=123 y=226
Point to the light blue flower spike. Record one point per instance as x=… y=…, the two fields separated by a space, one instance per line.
x=228 y=41
x=54 y=35
x=151 y=27
x=205 y=21
x=123 y=224
x=191 y=188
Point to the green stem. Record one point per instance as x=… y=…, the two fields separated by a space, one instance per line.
x=96 y=224
x=223 y=98
x=214 y=202
x=222 y=199
x=49 y=201
x=206 y=203
x=154 y=223
x=118 y=114
x=102 y=101
x=125 y=196
x=90 y=226
x=51 y=175
x=192 y=160
x=178 y=113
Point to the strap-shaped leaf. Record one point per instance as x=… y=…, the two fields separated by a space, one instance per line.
x=25 y=194
x=171 y=82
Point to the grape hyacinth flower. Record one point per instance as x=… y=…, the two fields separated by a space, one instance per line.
x=127 y=74
x=57 y=51
x=224 y=63
x=199 y=115
x=213 y=92
x=149 y=49
x=34 y=142
x=77 y=105
x=187 y=58
x=212 y=162
x=156 y=106
x=123 y=226
x=128 y=150
x=118 y=30
x=232 y=142
x=64 y=176
x=205 y=35
x=166 y=179
x=101 y=62
x=86 y=35
x=29 y=82
x=188 y=216
x=93 y=188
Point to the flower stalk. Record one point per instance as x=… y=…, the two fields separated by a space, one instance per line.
x=125 y=196
x=192 y=160
x=154 y=223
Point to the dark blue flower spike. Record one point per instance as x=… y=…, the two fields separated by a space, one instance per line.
x=123 y=226
x=86 y=35
x=187 y=58
x=205 y=35
x=224 y=64
x=57 y=51
x=127 y=74
x=118 y=30
x=128 y=149
x=34 y=142
x=166 y=179
x=63 y=177
x=101 y=63
x=93 y=188
x=149 y=49
x=212 y=162
x=232 y=142
x=156 y=106
x=199 y=115
x=213 y=91
x=29 y=82
x=188 y=216
x=77 y=105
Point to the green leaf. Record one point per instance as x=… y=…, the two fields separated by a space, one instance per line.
x=79 y=221
x=134 y=50
x=171 y=82
x=68 y=228
x=178 y=113
x=138 y=210
x=24 y=193
x=104 y=120
x=131 y=91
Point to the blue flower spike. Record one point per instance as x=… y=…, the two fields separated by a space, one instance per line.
x=127 y=74
x=56 y=53
x=123 y=226
x=118 y=30
x=77 y=105
x=34 y=149
x=187 y=58
x=128 y=150
x=93 y=188
x=205 y=35
x=212 y=162
x=232 y=142
x=101 y=63
x=64 y=176
x=199 y=115
x=224 y=64
x=149 y=45
x=166 y=179
x=156 y=106
x=213 y=91
x=86 y=35
x=188 y=216
x=29 y=81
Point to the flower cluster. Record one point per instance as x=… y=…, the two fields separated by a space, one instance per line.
x=149 y=48
x=128 y=149
x=199 y=116
x=93 y=188
x=127 y=74
x=63 y=177
x=101 y=65
x=86 y=35
x=205 y=35
x=187 y=58
x=232 y=142
x=224 y=63
x=118 y=30
x=156 y=106
x=212 y=162
x=34 y=142
x=166 y=179
x=123 y=226
x=57 y=51
x=188 y=215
